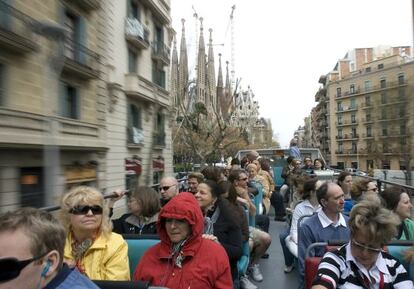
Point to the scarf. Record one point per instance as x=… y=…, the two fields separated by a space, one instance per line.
x=177 y=254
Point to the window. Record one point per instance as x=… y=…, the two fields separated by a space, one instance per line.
x=340 y=148
x=401 y=92
x=403 y=129
x=383 y=113
x=403 y=165
x=70 y=102
x=401 y=111
x=353 y=117
x=381 y=66
x=340 y=133
x=385 y=164
x=135 y=132
x=367 y=85
x=341 y=165
x=354 y=147
x=133 y=9
x=158 y=75
x=338 y=92
x=354 y=133
x=159 y=131
x=367 y=100
x=385 y=147
x=339 y=106
x=370 y=164
x=383 y=83
x=383 y=98
x=354 y=165
x=384 y=130
x=401 y=79
x=352 y=104
x=369 y=131
x=352 y=89
x=368 y=69
x=368 y=117
x=132 y=61
x=339 y=119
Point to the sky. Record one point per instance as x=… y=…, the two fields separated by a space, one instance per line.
x=282 y=47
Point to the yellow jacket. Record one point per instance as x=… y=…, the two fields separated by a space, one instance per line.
x=106 y=259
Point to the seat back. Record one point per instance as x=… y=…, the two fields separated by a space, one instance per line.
x=105 y=284
x=311 y=269
x=398 y=248
x=137 y=245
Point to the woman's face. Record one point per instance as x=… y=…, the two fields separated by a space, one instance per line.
x=372 y=188
x=177 y=230
x=86 y=217
x=134 y=206
x=252 y=172
x=404 y=207
x=364 y=252
x=317 y=165
x=347 y=184
x=204 y=197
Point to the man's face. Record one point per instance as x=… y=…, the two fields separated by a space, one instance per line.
x=17 y=245
x=192 y=185
x=334 y=202
x=168 y=189
x=241 y=181
x=308 y=162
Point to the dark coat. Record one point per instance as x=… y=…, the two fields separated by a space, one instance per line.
x=121 y=226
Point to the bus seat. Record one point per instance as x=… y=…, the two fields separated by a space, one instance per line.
x=106 y=284
x=137 y=245
x=397 y=249
x=311 y=268
x=277 y=176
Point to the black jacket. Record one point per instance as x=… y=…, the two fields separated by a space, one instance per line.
x=121 y=226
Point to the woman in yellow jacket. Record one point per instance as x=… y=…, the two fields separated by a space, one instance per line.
x=91 y=245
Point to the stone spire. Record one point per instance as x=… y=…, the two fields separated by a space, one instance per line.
x=220 y=89
x=211 y=75
x=227 y=92
x=183 y=70
x=201 y=68
x=175 y=100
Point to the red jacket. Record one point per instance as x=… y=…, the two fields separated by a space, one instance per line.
x=205 y=265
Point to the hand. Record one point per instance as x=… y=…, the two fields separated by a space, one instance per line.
x=119 y=195
x=210 y=237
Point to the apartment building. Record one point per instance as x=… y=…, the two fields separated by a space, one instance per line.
x=137 y=36
x=88 y=108
x=364 y=107
x=51 y=113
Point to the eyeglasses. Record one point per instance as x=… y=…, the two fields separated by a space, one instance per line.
x=10 y=268
x=373 y=189
x=166 y=188
x=243 y=179
x=83 y=210
x=364 y=247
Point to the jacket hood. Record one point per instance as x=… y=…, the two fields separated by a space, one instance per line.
x=183 y=206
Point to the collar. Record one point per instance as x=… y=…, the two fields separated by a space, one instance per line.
x=379 y=265
x=308 y=204
x=60 y=277
x=99 y=243
x=325 y=221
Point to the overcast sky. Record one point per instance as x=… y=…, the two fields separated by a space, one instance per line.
x=283 y=46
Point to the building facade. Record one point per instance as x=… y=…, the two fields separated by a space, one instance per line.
x=88 y=108
x=363 y=114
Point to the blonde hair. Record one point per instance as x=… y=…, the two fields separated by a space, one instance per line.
x=369 y=217
x=252 y=165
x=84 y=195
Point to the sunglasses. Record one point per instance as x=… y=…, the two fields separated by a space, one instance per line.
x=83 y=210
x=364 y=247
x=10 y=268
x=166 y=188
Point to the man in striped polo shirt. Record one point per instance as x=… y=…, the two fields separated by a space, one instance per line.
x=362 y=263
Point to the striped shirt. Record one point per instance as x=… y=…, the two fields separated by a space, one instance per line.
x=339 y=269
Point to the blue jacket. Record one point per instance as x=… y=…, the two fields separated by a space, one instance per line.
x=70 y=279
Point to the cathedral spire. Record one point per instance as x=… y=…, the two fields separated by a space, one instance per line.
x=201 y=68
x=174 y=75
x=211 y=75
x=183 y=69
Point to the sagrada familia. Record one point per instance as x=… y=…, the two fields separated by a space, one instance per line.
x=231 y=103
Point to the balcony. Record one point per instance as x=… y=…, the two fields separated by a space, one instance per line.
x=136 y=34
x=320 y=95
x=80 y=61
x=158 y=139
x=26 y=129
x=16 y=34
x=142 y=89
x=161 y=52
x=347 y=152
x=343 y=109
x=88 y=5
x=161 y=10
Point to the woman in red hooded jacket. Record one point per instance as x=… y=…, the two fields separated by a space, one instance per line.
x=183 y=259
